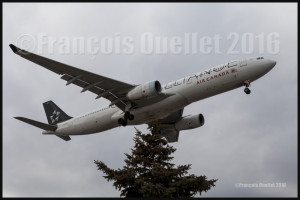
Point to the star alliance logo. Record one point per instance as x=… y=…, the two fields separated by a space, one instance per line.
x=55 y=116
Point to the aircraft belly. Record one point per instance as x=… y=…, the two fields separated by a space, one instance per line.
x=93 y=124
x=158 y=110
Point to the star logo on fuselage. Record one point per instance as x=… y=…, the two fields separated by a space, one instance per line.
x=55 y=116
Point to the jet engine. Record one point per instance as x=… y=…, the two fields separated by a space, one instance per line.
x=144 y=91
x=190 y=122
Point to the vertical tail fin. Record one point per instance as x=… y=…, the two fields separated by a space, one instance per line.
x=54 y=113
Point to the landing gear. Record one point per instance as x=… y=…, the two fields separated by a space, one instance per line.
x=247 y=84
x=127 y=115
x=131 y=117
x=247 y=90
x=122 y=122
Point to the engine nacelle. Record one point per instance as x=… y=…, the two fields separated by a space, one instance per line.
x=144 y=91
x=190 y=122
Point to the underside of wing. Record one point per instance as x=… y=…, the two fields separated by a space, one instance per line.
x=167 y=128
x=170 y=133
x=113 y=90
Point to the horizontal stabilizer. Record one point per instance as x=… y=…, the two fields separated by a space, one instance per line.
x=41 y=125
x=66 y=138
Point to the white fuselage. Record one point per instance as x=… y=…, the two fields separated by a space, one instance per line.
x=187 y=90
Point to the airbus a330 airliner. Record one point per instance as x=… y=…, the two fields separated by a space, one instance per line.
x=144 y=103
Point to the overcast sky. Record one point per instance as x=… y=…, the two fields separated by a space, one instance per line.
x=246 y=139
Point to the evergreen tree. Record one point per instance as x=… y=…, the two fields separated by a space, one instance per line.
x=149 y=173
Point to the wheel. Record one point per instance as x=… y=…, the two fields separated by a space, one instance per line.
x=247 y=90
x=131 y=117
x=122 y=122
x=126 y=115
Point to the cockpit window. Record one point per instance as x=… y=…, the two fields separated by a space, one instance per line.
x=260 y=58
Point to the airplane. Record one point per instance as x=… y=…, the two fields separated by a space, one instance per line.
x=144 y=103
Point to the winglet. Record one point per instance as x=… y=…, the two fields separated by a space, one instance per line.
x=14 y=48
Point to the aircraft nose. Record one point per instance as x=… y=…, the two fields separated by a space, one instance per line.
x=271 y=64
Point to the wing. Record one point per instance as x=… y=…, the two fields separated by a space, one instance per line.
x=113 y=90
x=167 y=126
x=170 y=133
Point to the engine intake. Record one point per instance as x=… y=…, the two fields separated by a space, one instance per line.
x=145 y=91
x=190 y=122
